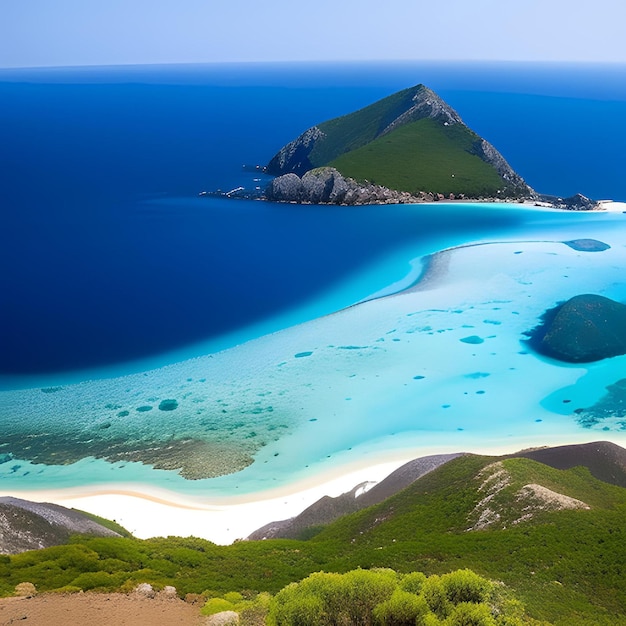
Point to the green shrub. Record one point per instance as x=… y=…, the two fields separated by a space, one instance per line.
x=254 y=612
x=295 y=610
x=67 y=589
x=402 y=609
x=436 y=597
x=363 y=590
x=216 y=605
x=470 y=614
x=466 y=586
x=98 y=580
x=412 y=582
x=234 y=597
x=333 y=598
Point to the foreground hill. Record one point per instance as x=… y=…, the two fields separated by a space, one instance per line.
x=328 y=509
x=26 y=525
x=604 y=460
x=554 y=537
x=411 y=141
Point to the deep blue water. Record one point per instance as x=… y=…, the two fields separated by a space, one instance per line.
x=108 y=254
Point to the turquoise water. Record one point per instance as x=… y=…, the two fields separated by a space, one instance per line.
x=241 y=345
x=442 y=364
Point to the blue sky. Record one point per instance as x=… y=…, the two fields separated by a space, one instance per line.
x=94 y=32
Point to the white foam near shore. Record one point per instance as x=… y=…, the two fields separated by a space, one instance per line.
x=328 y=404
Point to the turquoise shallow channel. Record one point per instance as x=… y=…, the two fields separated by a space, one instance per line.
x=433 y=356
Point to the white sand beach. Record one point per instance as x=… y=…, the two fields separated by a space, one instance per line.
x=147 y=511
x=612 y=206
x=318 y=408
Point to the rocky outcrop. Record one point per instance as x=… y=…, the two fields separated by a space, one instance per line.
x=584 y=329
x=489 y=154
x=224 y=618
x=577 y=202
x=425 y=103
x=285 y=188
x=496 y=508
x=26 y=525
x=294 y=157
x=325 y=185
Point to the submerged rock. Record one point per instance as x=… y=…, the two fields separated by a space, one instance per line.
x=587 y=245
x=586 y=328
x=168 y=405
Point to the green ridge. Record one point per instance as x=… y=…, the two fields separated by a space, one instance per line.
x=354 y=130
x=423 y=156
x=567 y=567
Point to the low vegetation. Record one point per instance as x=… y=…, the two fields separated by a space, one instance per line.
x=382 y=597
x=565 y=566
x=424 y=156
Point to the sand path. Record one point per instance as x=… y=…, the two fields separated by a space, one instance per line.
x=79 y=609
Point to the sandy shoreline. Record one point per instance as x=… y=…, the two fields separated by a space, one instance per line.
x=611 y=206
x=147 y=511
x=363 y=365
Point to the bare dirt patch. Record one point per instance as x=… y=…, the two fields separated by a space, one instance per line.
x=93 y=609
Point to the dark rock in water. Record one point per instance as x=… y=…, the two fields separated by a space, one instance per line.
x=610 y=408
x=326 y=185
x=301 y=355
x=474 y=339
x=577 y=202
x=168 y=405
x=586 y=328
x=587 y=245
x=286 y=188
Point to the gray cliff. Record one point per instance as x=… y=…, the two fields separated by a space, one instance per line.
x=26 y=525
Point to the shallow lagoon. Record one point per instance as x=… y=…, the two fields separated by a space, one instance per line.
x=437 y=360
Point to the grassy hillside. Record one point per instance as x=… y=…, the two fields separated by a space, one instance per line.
x=567 y=566
x=423 y=156
x=354 y=130
x=411 y=141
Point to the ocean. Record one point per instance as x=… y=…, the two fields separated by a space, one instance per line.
x=124 y=288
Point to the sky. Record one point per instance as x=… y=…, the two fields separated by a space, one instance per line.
x=40 y=33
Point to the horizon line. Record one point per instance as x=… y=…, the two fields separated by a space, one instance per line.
x=311 y=62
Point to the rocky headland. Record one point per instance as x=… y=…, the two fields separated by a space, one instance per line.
x=410 y=147
x=326 y=185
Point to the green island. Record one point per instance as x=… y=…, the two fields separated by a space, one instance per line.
x=409 y=147
x=411 y=141
x=478 y=541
